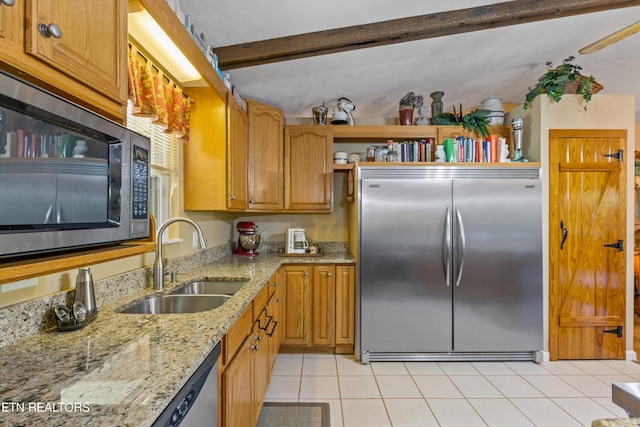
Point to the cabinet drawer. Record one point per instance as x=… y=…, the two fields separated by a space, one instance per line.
x=260 y=301
x=237 y=334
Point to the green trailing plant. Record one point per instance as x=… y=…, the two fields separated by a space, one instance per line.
x=474 y=121
x=554 y=82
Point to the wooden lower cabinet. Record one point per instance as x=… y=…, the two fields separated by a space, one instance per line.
x=345 y=308
x=323 y=307
x=319 y=306
x=274 y=309
x=311 y=306
x=296 y=298
x=261 y=364
x=245 y=371
x=236 y=382
x=237 y=402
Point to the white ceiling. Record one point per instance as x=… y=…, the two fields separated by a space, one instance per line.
x=468 y=67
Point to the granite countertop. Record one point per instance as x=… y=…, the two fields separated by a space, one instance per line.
x=616 y=422
x=124 y=369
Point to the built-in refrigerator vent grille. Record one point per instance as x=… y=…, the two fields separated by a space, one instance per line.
x=450 y=172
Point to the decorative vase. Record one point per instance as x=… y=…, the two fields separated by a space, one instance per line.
x=496 y=111
x=406 y=116
x=436 y=105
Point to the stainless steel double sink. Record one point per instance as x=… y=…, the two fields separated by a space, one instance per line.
x=192 y=297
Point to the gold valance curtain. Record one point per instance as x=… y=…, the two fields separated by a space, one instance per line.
x=155 y=96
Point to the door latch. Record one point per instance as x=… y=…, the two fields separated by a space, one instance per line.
x=618 y=155
x=617 y=331
x=618 y=245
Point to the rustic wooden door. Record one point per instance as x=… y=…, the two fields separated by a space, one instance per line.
x=587 y=219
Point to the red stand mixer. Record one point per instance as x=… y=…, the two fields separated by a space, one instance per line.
x=248 y=239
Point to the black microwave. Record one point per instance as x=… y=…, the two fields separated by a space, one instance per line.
x=69 y=178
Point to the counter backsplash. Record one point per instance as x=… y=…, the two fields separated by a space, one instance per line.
x=29 y=318
x=32 y=317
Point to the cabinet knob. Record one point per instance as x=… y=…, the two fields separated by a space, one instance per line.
x=275 y=284
x=258 y=338
x=251 y=201
x=233 y=197
x=329 y=274
x=8 y=2
x=306 y=273
x=254 y=347
x=277 y=299
x=51 y=30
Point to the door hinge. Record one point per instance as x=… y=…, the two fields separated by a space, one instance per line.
x=618 y=245
x=617 y=331
x=618 y=155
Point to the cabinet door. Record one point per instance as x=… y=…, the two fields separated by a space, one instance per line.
x=274 y=310
x=205 y=164
x=261 y=365
x=345 y=304
x=237 y=155
x=323 y=315
x=297 y=301
x=92 y=45
x=266 y=126
x=308 y=175
x=238 y=405
x=11 y=33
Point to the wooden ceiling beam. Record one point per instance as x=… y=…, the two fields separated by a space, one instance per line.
x=407 y=29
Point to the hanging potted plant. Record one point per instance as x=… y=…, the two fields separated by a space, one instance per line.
x=563 y=79
x=474 y=121
x=408 y=103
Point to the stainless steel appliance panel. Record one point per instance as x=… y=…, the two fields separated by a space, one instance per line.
x=53 y=200
x=450 y=263
x=497 y=252
x=405 y=300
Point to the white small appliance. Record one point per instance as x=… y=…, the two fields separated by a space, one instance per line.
x=296 y=241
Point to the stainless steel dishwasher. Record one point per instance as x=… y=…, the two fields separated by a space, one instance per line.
x=196 y=404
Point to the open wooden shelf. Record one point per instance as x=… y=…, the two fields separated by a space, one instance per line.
x=383 y=131
x=34 y=267
x=343 y=168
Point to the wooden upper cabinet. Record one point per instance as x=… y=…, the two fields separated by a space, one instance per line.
x=91 y=45
x=266 y=128
x=308 y=173
x=237 y=134
x=87 y=64
x=11 y=30
x=205 y=157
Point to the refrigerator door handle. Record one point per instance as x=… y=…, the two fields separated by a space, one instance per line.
x=463 y=244
x=447 y=247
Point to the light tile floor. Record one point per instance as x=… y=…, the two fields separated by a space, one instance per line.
x=452 y=394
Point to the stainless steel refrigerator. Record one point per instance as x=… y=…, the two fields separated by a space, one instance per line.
x=450 y=263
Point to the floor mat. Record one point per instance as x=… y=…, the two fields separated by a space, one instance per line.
x=294 y=414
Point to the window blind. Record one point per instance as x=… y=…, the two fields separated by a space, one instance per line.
x=164 y=147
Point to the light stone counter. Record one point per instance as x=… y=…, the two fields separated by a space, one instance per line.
x=124 y=369
x=616 y=422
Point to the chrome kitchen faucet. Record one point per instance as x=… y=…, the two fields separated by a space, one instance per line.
x=158 y=265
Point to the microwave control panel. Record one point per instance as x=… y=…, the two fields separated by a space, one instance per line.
x=140 y=183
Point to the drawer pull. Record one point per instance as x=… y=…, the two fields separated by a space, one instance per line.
x=267 y=325
x=275 y=323
x=8 y=2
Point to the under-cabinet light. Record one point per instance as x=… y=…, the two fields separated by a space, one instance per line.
x=146 y=31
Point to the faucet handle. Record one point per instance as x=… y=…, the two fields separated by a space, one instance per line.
x=174 y=275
